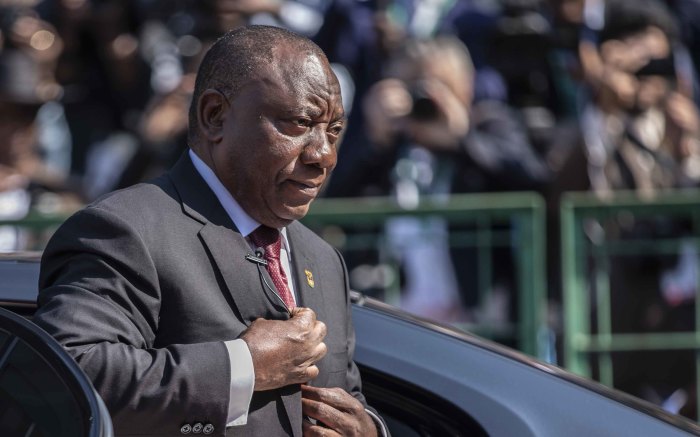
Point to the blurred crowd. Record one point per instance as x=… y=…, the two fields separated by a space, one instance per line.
x=442 y=96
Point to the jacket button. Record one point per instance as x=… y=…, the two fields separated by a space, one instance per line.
x=186 y=428
x=197 y=428
x=208 y=428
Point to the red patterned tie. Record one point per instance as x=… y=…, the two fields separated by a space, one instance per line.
x=270 y=241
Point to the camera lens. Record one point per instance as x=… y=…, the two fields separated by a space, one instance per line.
x=424 y=108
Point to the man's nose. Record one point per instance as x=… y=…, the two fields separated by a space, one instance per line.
x=320 y=150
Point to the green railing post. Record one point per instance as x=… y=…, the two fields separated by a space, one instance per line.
x=537 y=319
x=483 y=259
x=576 y=307
x=604 y=316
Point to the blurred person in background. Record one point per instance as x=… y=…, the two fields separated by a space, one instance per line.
x=425 y=136
x=361 y=35
x=105 y=84
x=640 y=131
x=34 y=150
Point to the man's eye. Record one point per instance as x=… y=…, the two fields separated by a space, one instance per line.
x=335 y=130
x=303 y=122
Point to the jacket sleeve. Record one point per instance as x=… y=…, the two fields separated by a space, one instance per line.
x=100 y=298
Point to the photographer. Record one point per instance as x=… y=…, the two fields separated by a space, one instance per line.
x=424 y=135
x=426 y=103
x=640 y=130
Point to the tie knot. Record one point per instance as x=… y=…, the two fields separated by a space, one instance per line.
x=268 y=238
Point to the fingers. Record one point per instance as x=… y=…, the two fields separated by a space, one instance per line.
x=386 y=102
x=320 y=330
x=305 y=318
x=301 y=375
x=311 y=373
x=303 y=315
x=315 y=353
x=319 y=352
x=336 y=409
x=683 y=112
x=334 y=397
x=311 y=430
x=326 y=414
x=285 y=352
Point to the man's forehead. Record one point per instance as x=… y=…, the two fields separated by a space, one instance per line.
x=291 y=69
x=298 y=57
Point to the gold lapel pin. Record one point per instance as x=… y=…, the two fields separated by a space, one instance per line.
x=309 y=277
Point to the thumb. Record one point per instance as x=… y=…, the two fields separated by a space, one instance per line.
x=303 y=314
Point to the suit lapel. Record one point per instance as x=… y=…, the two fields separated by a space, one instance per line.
x=226 y=246
x=308 y=279
x=242 y=277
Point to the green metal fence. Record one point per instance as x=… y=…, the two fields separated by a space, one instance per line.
x=600 y=236
x=481 y=222
x=511 y=221
x=36 y=221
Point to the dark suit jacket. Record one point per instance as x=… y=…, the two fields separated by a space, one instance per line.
x=143 y=286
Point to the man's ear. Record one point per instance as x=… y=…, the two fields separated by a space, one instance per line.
x=211 y=110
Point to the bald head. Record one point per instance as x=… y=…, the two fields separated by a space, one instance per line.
x=238 y=57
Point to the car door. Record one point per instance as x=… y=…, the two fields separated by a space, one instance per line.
x=43 y=392
x=431 y=380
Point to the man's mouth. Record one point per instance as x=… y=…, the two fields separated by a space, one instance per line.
x=307 y=187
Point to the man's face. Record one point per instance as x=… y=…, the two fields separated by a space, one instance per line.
x=279 y=137
x=626 y=56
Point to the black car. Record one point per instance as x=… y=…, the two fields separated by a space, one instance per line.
x=425 y=379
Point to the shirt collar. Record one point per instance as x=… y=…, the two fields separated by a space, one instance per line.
x=243 y=222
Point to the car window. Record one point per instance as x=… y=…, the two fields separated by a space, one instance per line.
x=34 y=400
x=410 y=411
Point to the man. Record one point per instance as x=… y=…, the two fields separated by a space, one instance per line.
x=640 y=130
x=158 y=291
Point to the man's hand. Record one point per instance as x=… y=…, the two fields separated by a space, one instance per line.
x=683 y=113
x=284 y=352
x=450 y=124
x=388 y=107
x=385 y=106
x=342 y=414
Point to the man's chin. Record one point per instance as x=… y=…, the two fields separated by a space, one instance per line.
x=295 y=212
x=284 y=215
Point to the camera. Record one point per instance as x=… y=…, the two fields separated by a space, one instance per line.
x=664 y=67
x=423 y=107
